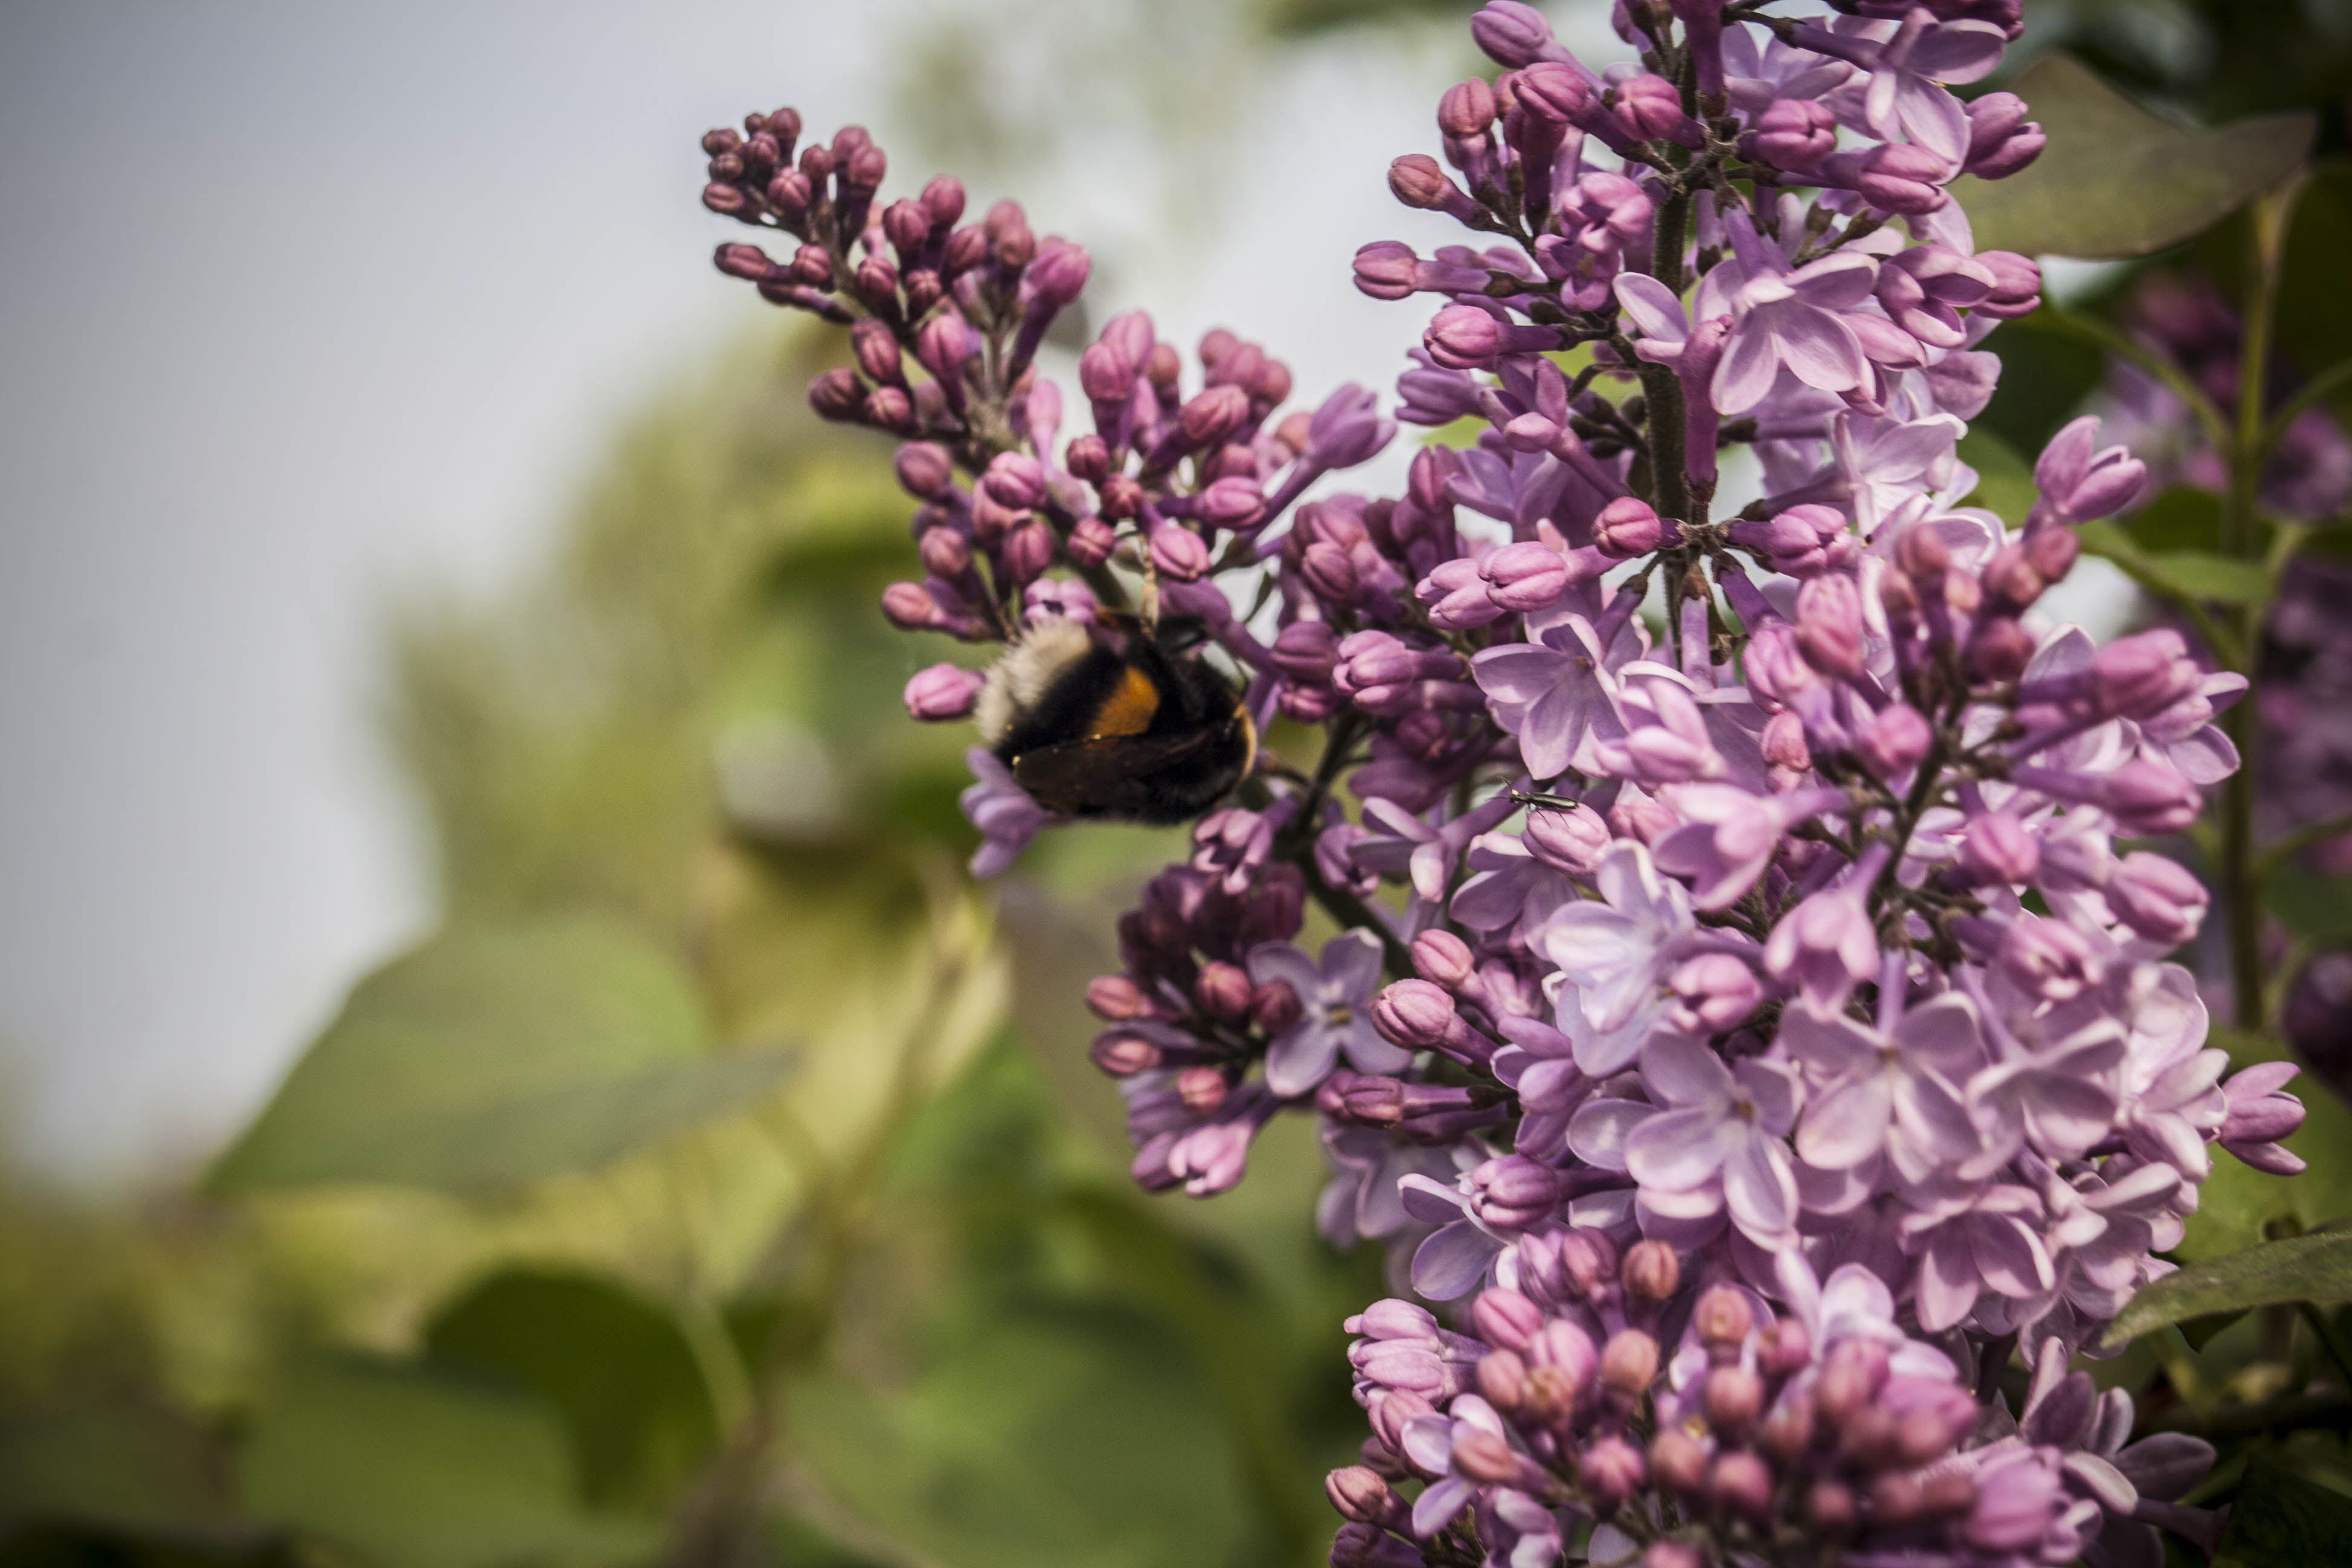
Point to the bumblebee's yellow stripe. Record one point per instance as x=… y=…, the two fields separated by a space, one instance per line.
x=1128 y=708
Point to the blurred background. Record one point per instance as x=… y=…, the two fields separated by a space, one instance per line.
x=436 y=634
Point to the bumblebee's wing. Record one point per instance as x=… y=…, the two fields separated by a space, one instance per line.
x=1106 y=775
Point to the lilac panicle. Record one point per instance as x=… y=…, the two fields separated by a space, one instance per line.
x=1741 y=1022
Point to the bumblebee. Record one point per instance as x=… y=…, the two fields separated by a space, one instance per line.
x=1123 y=721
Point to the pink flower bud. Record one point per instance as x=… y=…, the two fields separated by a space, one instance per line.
x=1783 y=742
x=1629 y=1363
x=941 y=692
x=2147 y=797
x=1998 y=848
x=1829 y=626
x=1732 y=1398
x=1413 y=1014
x=1650 y=109
x=1893 y=740
x=1274 y=1008
x=1115 y=997
x=1741 y=1483
x=2156 y=897
x=1091 y=541
x=1105 y=373
x=1569 y=839
x=1358 y=1493
x=1122 y=1053
x=1525 y=577
x=1514 y=1192
x=2017 y=285
x=1222 y=991
x=1502 y=1377
x=1511 y=33
x=2140 y=677
x=1678 y=1461
x=1443 y=959
x=1627 y=527
x=1467 y=110
x=1416 y=180
x=924 y=469
x=1611 y=1471
x=1722 y=1319
x=1179 y=552
x=1794 y=133
x=2001 y=648
x=837 y=396
x=1715 y=993
x=1555 y=93
x=1211 y=416
x=1903 y=178
x=1504 y=1318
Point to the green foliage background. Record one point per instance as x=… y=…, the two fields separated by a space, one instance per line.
x=724 y=1182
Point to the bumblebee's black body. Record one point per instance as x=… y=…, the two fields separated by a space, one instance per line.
x=1139 y=731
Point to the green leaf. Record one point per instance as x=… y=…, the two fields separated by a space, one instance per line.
x=2301 y=1268
x=2004 y=479
x=2182 y=518
x=2317 y=908
x=414 y=1468
x=124 y=1466
x=2279 y=1518
x=494 y=1055
x=614 y=1364
x=2115 y=180
x=2191 y=576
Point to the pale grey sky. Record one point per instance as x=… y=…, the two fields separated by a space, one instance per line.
x=305 y=307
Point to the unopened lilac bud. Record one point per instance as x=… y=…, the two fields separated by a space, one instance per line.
x=1511 y=33
x=1115 y=997
x=1525 y=577
x=1903 y=178
x=791 y=193
x=1794 y=133
x=2146 y=796
x=1851 y=1379
x=2052 y=550
x=1732 y=1398
x=941 y=692
x=1467 y=110
x=1783 y=742
x=877 y=350
x=725 y=199
x=876 y=281
x=1503 y=1317
x=836 y=395
x=1413 y=1014
x=1900 y=600
x=1612 y=1470
x=1091 y=541
x=2011 y=580
x=1222 y=991
x=1503 y=1380
x=1997 y=847
x=1549 y=1396
x=1443 y=959
x=1416 y=180
x=1358 y=1493
x=1650 y=109
x=1569 y=839
x=745 y=261
x=1275 y=1007
x=1058 y=275
x=2017 y=285
x=724 y=139
x=924 y=469
x=1920 y=1435
x=1015 y=479
x=1386 y=270
x=1514 y=1192
x=1671 y=1554
x=2139 y=677
x=1787 y=1432
x=1629 y=1363
x=1741 y=1483
x=1463 y=337
x=1555 y=93
x=1894 y=1500
x=1722 y=1319
x=2000 y=649
x=1829 y=626
x=1829 y=1506
x=889 y=408
x=1201 y=1089
x=1330 y=572
x=1372 y=1099
x=906 y=224
x=1213 y=415
x=1678 y=1462
x=1652 y=1272
x=2001 y=141
x=1105 y=372
x=812 y=265
x=946 y=551
x=1485 y=1459
x=1179 y=552
x=2156 y=897
x=1124 y=1052
x=1627 y=527
x=1893 y=740
x=1716 y=993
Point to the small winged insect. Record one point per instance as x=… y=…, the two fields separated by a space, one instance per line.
x=1119 y=720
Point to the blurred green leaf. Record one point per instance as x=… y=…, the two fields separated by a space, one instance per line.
x=492 y=1055
x=2181 y=518
x=108 y=1465
x=2188 y=577
x=2279 y=1517
x=2317 y=908
x=424 y=1471
x=2004 y=480
x=1043 y=1436
x=613 y=1363
x=2116 y=181
x=2299 y=1269
x=2046 y=371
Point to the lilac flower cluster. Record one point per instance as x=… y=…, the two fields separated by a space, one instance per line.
x=1739 y=999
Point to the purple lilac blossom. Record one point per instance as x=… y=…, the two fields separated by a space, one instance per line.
x=1722 y=1008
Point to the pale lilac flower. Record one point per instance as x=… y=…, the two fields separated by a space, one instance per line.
x=1792 y=318
x=1613 y=955
x=1893 y=1093
x=1336 y=1017
x=1558 y=694
x=1718 y=1135
x=1007 y=815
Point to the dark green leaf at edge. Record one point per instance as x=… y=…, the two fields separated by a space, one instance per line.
x=2281 y=1519
x=2315 y=1268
